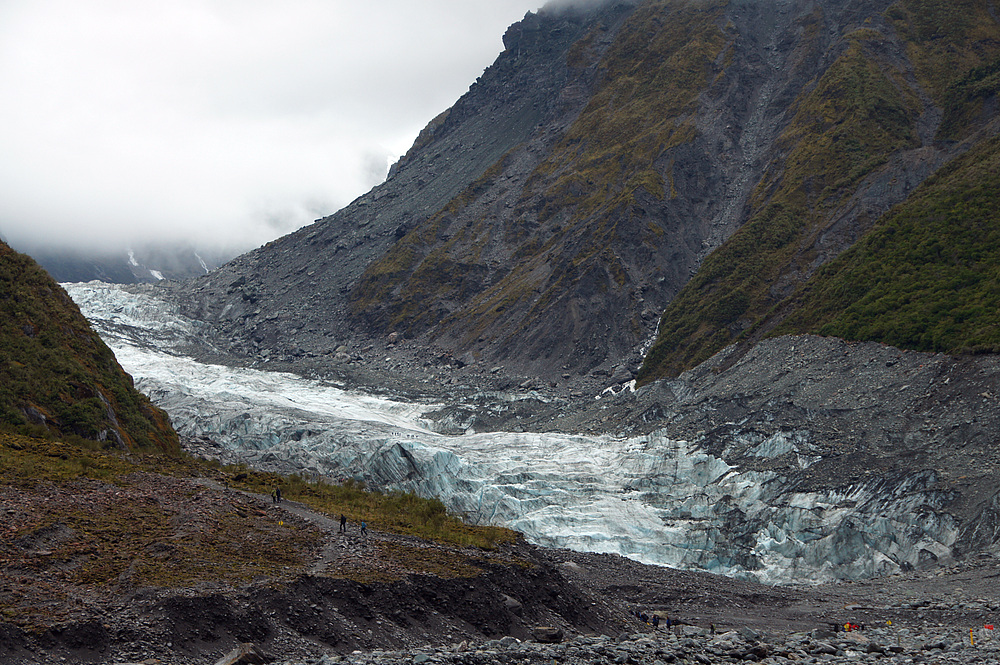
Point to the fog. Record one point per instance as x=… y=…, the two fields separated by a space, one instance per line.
x=218 y=122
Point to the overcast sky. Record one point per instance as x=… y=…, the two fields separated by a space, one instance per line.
x=219 y=121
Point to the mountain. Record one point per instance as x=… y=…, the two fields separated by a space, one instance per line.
x=148 y=263
x=711 y=162
x=57 y=377
x=887 y=156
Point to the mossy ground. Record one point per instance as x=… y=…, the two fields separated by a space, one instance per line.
x=395 y=512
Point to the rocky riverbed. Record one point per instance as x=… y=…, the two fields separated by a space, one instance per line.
x=689 y=644
x=922 y=618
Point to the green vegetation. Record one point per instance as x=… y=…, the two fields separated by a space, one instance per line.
x=395 y=512
x=57 y=376
x=965 y=100
x=945 y=39
x=844 y=128
x=928 y=277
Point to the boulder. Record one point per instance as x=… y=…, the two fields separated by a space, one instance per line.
x=512 y=605
x=547 y=634
x=246 y=653
x=622 y=374
x=571 y=566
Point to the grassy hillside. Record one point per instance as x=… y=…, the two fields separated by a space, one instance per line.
x=928 y=278
x=57 y=376
x=84 y=526
x=860 y=112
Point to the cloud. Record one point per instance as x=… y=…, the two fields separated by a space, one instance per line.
x=220 y=122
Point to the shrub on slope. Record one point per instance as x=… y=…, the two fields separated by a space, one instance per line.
x=57 y=376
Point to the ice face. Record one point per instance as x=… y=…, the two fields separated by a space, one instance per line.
x=650 y=498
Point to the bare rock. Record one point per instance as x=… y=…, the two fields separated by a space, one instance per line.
x=245 y=654
x=547 y=634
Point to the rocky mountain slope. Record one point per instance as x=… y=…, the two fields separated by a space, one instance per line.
x=57 y=377
x=294 y=295
x=905 y=93
x=702 y=158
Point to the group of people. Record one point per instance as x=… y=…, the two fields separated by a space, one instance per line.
x=652 y=619
x=276 y=498
x=343 y=525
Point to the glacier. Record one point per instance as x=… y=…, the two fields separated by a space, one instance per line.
x=651 y=498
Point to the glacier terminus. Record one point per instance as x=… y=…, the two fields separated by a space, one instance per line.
x=651 y=498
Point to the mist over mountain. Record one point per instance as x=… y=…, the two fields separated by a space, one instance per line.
x=149 y=263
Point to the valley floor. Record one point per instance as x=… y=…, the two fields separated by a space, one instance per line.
x=319 y=615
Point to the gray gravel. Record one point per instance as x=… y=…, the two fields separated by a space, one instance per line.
x=690 y=644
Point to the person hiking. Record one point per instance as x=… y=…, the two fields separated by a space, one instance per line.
x=364 y=528
x=343 y=523
x=277 y=495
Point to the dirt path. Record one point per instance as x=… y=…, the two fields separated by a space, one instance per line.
x=339 y=548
